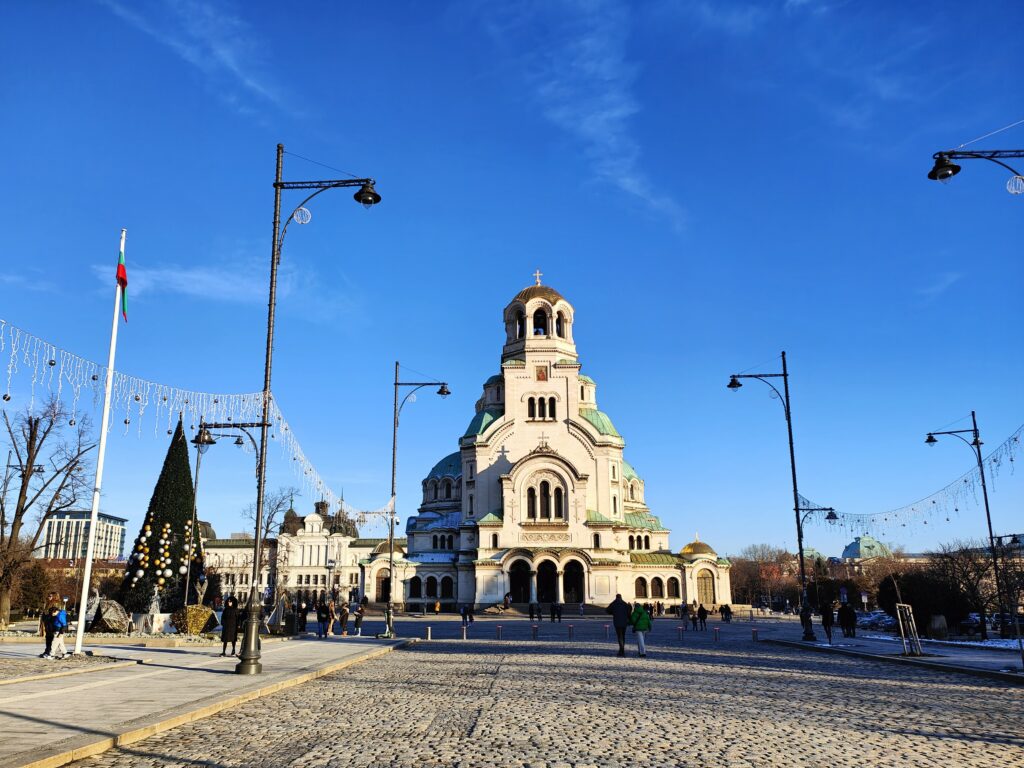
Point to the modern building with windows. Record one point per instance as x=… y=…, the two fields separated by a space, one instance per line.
x=538 y=501
x=66 y=536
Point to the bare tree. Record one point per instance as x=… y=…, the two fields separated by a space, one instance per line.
x=44 y=475
x=968 y=566
x=275 y=504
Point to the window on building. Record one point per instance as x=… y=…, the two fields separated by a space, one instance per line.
x=520 y=324
x=647 y=542
x=447 y=489
x=641 y=587
x=545 y=499
x=582 y=393
x=431 y=586
x=560 y=325
x=447 y=587
x=531 y=503
x=559 y=504
x=542 y=410
x=551 y=408
x=415 y=587
x=494 y=541
x=471 y=466
x=631 y=542
x=597 y=541
x=673 y=587
x=434 y=488
x=531 y=409
x=615 y=505
x=451 y=541
x=657 y=587
x=471 y=504
x=435 y=542
x=540 y=323
x=614 y=476
x=632 y=492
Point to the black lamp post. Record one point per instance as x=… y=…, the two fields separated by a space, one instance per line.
x=202 y=441
x=443 y=391
x=975 y=445
x=366 y=196
x=734 y=385
x=945 y=169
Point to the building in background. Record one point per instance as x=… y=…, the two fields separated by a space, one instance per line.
x=66 y=536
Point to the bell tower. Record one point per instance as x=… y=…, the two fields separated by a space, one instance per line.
x=538 y=326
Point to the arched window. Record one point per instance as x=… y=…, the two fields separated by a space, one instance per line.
x=545 y=498
x=435 y=542
x=647 y=542
x=657 y=587
x=597 y=541
x=531 y=409
x=471 y=503
x=615 y=505
x=560 y=325
x=447 y=489
x=673 y=587
x=540 y=323
x=415 y=587
x=451 y=541
x=447 y=587
x=551 y=408
x=497 y=396
x=520 y=324
x=582 y=393
x=641 y=587
x=431 y=586
x=631 y=542
x=494 y=541
x=558 y=503
x=542 y=410
x=434 y=486
x=531 y=502
x=632 y=492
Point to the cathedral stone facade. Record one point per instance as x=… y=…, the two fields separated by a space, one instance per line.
x=538 y=502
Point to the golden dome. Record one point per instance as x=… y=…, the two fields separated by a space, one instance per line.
x=697 y=547
x=539 y=292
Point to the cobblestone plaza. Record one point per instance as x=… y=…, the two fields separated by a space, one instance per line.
x=519 y=703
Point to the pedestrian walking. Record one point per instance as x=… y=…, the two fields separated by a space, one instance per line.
x=303 y=615
x=437 y=607
x=640 y=620
x=693 y=617
x=702 y=616
x=59 y=619
x=551 y=611
x=343 y=619
x=558 y=612
x=726 y=611
x=332 y=616
x=360 y=612
x=46 y=623
x=620 y=613
x=469 y=611
x=531 y=611
x=827 y=620
x=321 y=619
x=582 y=604
x=229 y=626
x=464 y=612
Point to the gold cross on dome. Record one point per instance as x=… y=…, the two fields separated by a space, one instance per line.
x=537 y=276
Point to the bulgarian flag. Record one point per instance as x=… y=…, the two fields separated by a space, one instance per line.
x=122 y=280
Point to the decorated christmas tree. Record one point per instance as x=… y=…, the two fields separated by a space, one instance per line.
x=159 y=560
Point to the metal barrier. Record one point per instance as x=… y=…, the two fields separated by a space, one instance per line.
x=570 y=632
x=534 y=628
x=427 y=633
x=680 y=629
x=498 y=629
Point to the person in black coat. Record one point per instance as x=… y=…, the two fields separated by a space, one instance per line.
x=827 y=620
x=620 y=611
x=702 y=616
x=229 y=626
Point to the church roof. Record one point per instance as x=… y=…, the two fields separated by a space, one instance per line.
x=586 y=379
x=643 y=520
x=449 y=466
x=600 y=421
x=864 y=547
x=490 y=518
x=593 y=516
x=697 y=547
x=545 y=292
x=495 y=379
x=628 y=473
x=654 y=558
x=482 y=420
x=433 y=522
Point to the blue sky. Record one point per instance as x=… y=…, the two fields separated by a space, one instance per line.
x=707 y=183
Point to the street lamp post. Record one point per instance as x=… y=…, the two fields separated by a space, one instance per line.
x=330 y=580
x=1013 y=541
x=945 y=169
x=975 y=445
x=443 y=391
x=202 y=441
x=366 y=195
x=734 y=385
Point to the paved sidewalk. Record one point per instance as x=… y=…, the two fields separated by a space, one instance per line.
x=45 y=718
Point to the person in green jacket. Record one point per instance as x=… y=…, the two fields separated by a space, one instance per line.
x=640 y=620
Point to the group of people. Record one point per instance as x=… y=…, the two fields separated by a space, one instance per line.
x=847 y=616
x=636 y=616
x=332 y=618
x=53 y=623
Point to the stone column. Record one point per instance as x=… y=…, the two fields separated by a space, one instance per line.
x=533 y=586
x=559 y=596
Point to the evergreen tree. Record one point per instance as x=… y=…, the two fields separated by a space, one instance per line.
x=159 y=556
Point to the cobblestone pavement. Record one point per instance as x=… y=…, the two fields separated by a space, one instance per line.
x=14 y=666
x=476 y=704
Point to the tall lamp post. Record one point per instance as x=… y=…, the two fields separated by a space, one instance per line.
x=443 y=391
x=945 y=169
x=975 y=445
x=734 y=385
x=202 y=441
x=366 y=195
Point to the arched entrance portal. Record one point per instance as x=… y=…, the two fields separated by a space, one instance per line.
x=706 y=588
x=383 y=585
x=572 y=582
x=547 y=575
x=519 y=581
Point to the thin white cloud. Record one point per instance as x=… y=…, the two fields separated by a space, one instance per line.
x=939 y=285
x=210 y=38
x=583 y=82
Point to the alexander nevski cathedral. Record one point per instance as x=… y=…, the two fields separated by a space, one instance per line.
x=538 y=501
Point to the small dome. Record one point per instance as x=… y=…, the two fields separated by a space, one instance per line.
x=865 y=547
x=539 y=292
x=449 y=466
x=697 y=547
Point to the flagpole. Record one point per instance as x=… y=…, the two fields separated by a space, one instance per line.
x=94 y=515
